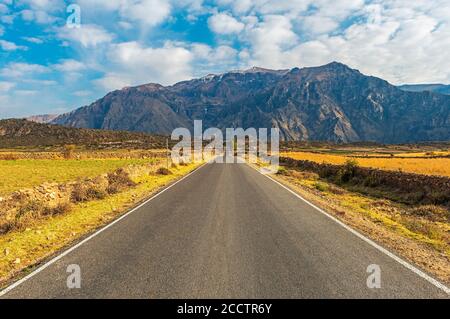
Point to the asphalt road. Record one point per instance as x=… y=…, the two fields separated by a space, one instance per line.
x=226 y=231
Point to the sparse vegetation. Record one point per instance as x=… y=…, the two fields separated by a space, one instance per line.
x=20 y=174
x=16 y=132
x=30 y=211
x=430 y=165
x=47 y=218
x=421 y=233
x=86 y=191
x=59 y=209
x=68 y=151
x=27 y=209
x=163 y=171
x=322 y=187
x=402 y=187
x=118 y=181
x=398 y=194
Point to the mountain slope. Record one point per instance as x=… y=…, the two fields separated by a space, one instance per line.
x=332 y=102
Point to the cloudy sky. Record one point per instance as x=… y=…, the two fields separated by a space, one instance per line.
x=49 y=65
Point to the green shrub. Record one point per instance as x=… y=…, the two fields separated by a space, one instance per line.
x=414 y=197
x=371 y=181
x=347 y=172
x=321 y=186
x=439 y=196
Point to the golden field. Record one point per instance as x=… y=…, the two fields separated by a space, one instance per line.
x=18 y=174
x=426 y=165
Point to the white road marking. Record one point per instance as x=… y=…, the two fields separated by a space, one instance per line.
x=404 y=263
x=68 y=251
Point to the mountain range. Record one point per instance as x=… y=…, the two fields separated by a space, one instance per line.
x=437 y=88
x=329 y=103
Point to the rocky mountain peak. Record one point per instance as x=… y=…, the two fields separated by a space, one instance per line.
x=332 y=102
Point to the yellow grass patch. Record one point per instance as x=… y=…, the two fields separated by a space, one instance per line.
x=19 y=174
x=22 y=249
x=427 y=166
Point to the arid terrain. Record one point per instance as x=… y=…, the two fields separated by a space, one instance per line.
x=399 y=195
x=51 y=196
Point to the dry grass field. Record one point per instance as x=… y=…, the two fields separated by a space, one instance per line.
x=18 y=174
x=47 y=203
x=415 y=224
x=425 y=165
x=419 y=233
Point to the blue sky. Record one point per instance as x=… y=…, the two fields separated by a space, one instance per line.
x=49 y=66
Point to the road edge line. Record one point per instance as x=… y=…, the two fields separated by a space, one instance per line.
x=401 y=261
x=69 y=250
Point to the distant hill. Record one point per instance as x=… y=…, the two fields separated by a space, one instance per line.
x=21 y=132
x=437 y=88
x=44 y=118
x=326 y=103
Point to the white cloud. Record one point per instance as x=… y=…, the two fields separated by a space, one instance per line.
x=40 y=82
x=27 y=15
x=47 y=5
x=42 y=11
x=26 y=92
x=217 y=55
x=8 y=19
x=223 y=23
x=133 y=64
x=269 y=39
x=125 y=25
x=33 y=40
x=6 y=86
x=148 y=13
x=88 y=35
x=69 y=65
x=399 y=40
x=114 y=81
x=317 y=24
x=18 y=70
x=43 y=17
x=3 y=8
x=11 y=46
x=82 y=93
x=109 y=5
x=208 y=59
